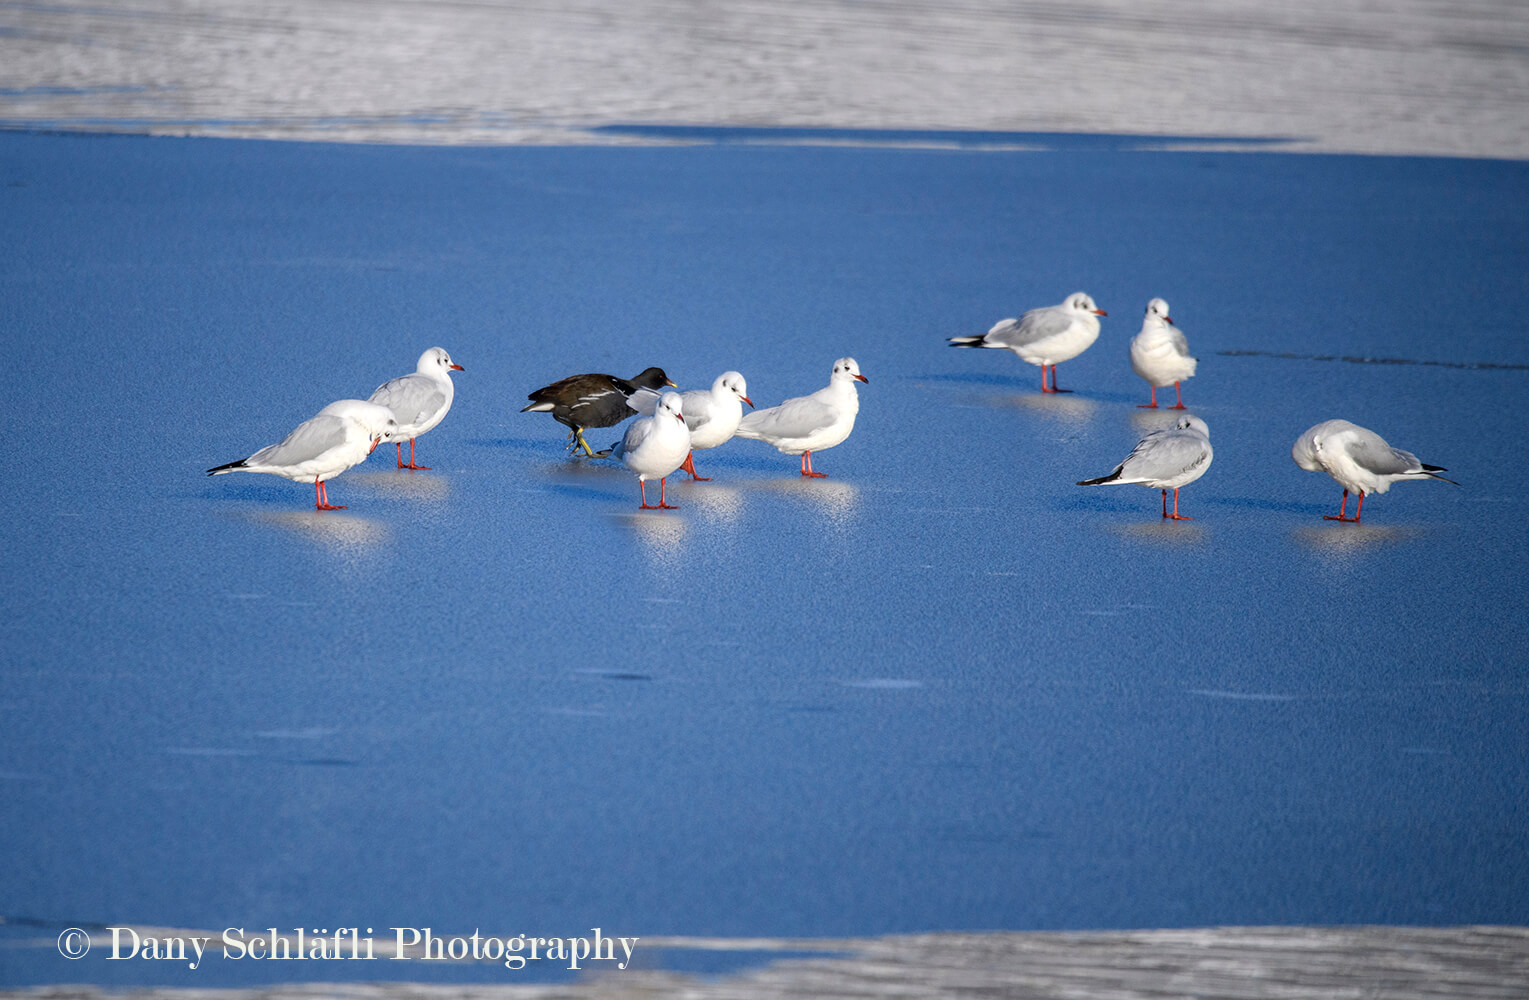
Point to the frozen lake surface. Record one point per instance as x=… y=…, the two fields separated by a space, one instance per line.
x=1396 y=76
x=943 y=689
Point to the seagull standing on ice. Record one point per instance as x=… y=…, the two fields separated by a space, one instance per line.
x=711 y=414
x=419 y=400
x=1160 y=354
x=655 y=446
x=807 y=424
x=1165 y=460
x=580 y=402
x=1045 y=336
x=342 y=435
x=1359 y=460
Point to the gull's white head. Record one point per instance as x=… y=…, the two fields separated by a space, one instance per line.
x=437 y=362
x=845 y=369
x=1080 y=302
x=1159 y=308
x=1188 y=422
x=670 y=404
x=732 y=382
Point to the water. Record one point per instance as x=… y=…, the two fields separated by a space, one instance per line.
x=943 y=689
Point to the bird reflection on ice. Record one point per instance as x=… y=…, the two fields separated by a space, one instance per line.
x=344 y=533
x=660 y=531
x=1064 y=407
x=1345 y=539
x=721 y=502
x=403 y=483
x=1160 y=532
x=836 y=499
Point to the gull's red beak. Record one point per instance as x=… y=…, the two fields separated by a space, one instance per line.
x=679 y=417
x=1168 y=320
x=863 y=379
x=1100 y=312
x=747 y=400
x=375 y=442
x=457 y=368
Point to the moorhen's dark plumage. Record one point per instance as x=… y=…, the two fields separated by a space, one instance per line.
x=583 y=401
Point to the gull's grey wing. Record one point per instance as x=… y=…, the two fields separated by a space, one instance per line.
x=412 y=398
x=697 y=405
x=1164 y=455
x=1370 y=452
x=1179 y=341
x=308 y=441
x=794 y=418
x=1035 y=325
x=636 y=433
x=644 y=401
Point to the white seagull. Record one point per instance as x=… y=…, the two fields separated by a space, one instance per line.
x=807 y=424
x=419 y=400
x=1165 y=460
x=711 y=414
x=1045 y=336
x=341 y=435
x=1160 y=354
x=1359 y=460
x=655 y=446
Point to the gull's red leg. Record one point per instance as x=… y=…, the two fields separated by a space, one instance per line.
x=689 y=467
x=1180 y=394
x=661 y=504
x=1152 y=405
x=642 y=485
x=1043 y=379
x=1165 y=503
x=807 y=467
x=1359 y=511
x=411 y=464
x=1343 y=508
x=1175 y=515
x=323 y=497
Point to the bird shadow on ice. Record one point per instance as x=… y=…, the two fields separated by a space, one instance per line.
x=1264 y=503
x=544 y=446
x=585 y=492
x=407 y=484
x=977 y=378
x=333 y=530
x=757 y=460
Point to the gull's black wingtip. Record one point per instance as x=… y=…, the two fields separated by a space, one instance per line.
x=1103 y=479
